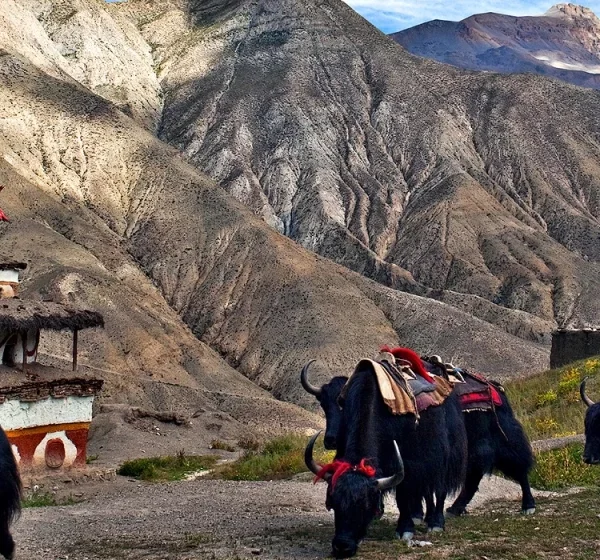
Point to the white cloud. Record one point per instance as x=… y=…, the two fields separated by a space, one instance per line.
x=392 y=15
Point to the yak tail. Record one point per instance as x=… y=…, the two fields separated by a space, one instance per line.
x=10 y=484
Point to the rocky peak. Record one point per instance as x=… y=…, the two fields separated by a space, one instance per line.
x=572 y=11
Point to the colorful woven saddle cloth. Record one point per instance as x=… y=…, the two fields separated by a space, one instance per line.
x=402 y=391
x=476 y=392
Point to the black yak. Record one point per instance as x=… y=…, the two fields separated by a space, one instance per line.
x=591 y=452
x=10 y=495
x=380 y=451
x=495 y=441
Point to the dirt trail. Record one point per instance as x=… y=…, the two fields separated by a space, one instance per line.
x=188 y=520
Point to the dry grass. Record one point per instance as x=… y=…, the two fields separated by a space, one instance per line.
x=221 y=445
x=565 y=528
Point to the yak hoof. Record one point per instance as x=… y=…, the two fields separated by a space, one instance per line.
x=529 y=511
x=435 y=530
x=417 y=521
x=407 y=536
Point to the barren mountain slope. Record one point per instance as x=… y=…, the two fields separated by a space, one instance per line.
x=146 y=355
x=101 y=50
x=564 y=43
x=484 y=188
x=98 y=202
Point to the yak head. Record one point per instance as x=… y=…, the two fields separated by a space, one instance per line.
x=327 y=395
x=591 y=453
x=354 y=494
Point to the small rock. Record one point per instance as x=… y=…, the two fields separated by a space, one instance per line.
x=419 y=543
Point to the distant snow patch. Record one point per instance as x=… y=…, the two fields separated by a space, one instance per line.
x=576 y=66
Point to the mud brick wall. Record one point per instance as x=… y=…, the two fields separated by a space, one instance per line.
x=569 y=346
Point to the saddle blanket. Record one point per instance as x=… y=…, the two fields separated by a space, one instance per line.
x=477 y=393
x=402 y=392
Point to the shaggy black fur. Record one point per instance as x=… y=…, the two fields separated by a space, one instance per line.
x=434 y=452
x=496 y=444
x=591 y=453
x=10 y=495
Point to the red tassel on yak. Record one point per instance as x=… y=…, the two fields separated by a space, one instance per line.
x=338 y=468
x=412 y=357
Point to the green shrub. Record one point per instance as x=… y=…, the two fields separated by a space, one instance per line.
x=562 y=468
x=166 y=468
x=548 y=403
x=547 y=398
x=569 y=381
x=221 y=445
x=280 y=458
x=45 y=499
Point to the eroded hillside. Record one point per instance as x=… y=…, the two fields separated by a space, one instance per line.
x=475 y=189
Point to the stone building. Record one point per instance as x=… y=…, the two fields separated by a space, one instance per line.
x=572 y=345
x=45 y=411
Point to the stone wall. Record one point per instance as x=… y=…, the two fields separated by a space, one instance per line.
x=570 y=346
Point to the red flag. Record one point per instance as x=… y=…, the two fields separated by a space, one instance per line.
x=3 y=216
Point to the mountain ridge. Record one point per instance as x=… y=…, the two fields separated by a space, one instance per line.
x=563 y=43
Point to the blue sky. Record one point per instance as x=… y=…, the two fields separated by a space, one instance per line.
x=393 y=15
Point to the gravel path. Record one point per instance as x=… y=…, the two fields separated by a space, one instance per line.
x=189 y=520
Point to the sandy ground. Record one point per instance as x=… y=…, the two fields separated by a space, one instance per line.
x=123 y=519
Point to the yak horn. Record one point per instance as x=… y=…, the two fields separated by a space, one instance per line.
x=316 y=391
x=584 y=397
x=391 y=481
x=313 y=466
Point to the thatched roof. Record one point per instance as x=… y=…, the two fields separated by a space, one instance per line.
x=42 y=382
x=13 y=265
x=20 y=315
